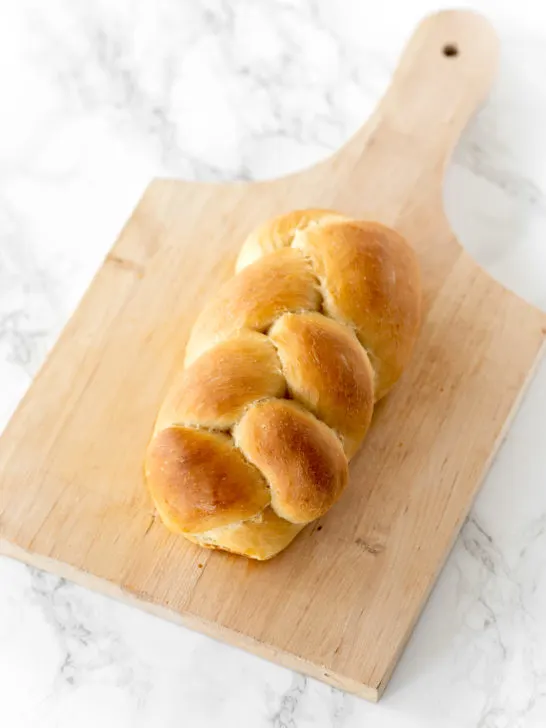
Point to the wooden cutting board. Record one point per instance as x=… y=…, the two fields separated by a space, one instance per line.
x=340 y=603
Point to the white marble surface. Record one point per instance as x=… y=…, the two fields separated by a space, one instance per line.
x=99 y=96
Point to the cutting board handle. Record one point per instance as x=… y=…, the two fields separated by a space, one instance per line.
x=444 y=73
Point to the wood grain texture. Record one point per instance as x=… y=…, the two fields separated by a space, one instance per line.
x=340 y=603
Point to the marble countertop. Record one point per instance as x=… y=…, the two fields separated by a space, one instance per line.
x=97 y=98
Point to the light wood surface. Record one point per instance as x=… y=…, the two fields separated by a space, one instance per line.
x=340 y=603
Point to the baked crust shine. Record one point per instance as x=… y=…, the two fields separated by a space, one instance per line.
x=282 y=371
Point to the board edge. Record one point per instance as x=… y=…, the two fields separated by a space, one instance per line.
x=212 y=630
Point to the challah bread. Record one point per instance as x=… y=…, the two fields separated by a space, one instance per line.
x=282 y=370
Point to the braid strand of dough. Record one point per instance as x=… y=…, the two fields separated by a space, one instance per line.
x=282 y=370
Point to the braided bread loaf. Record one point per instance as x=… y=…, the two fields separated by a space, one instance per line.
x=282 y=370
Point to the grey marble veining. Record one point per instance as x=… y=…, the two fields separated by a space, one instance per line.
x=98 y=97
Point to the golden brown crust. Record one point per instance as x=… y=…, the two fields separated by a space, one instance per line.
x=215 y=390
x=327 y=371
x=279 y=233
x=261 y=537
x=301 y=458
x=282 y=281
x=370 y=280
x=199 y=480
x=326 y=311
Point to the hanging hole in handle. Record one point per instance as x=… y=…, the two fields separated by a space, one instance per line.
x=450 y=50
